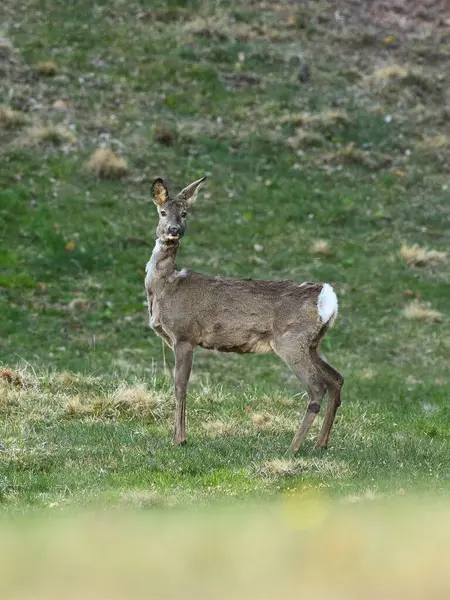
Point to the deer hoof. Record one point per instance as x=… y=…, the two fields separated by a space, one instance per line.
x=321 y=446
x=179 y=442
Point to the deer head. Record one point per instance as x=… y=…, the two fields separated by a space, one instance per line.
x=173 y=211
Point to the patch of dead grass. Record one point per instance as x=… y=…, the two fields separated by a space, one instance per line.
x=321 y=247
x=220 y=428
x=299 y=119
x=314 y=130
x=421 y=257
x=394 y=77
x=12 y=378
x=11 y=118
x=295 y=466
x=330 y=121
x=434 y=142
x=134 y=401
x=139 y=401
x=11 y=395
x=350 y=154
x=222 y=29
x=61 y=104
x=304 y=138
x=261 y=420
x=388 y=73
x=278 y=467
x=47 y=67
x=164 y=134
x=75 y=407
x=421 y=311
x=106 y=164
x=68 y=379
x=141 y=499
x=55 y=135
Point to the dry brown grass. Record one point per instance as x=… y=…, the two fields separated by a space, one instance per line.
x=138 y=400
x=76 y=407
x=314 y=466
x=421 y=311
x=304 y=138
x=12 y=378
x=220 y=428
x=133 y=401
x=421 y=257
x=11 y=118
x=330 y=120
x=350 y=154
x=222 y=28
x=61 y=104
x=321 y=247
x=55 y=135
x=164 y=134
x=388 y=73
x=106 y=164
x=278 y=467
x=141 y=499
x=67 y=379
x=396 y=76
x=299 y=119
x=261 y=420
x=47 y=67
x=12 y=394
x=435 y=142
x=314 y=129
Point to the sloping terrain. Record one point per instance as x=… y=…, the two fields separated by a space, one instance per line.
x=324 y=129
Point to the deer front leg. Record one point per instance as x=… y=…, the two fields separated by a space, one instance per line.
x=184 y=355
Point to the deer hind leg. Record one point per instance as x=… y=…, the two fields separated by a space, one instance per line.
x=184 y=356
x=297 y=357
x=334 y=381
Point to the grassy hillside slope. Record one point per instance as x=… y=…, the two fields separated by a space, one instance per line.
x=319 y=178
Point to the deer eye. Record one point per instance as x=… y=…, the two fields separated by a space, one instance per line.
x=184 y=214
x=163 y=213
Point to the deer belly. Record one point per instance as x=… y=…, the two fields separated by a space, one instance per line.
x=241 y=342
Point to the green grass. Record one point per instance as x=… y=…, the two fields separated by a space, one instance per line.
x=224 y=80
x=75 y=440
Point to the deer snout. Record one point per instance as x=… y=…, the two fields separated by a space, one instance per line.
x=174 y=230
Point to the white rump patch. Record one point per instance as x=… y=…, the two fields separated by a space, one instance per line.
x=327 y=304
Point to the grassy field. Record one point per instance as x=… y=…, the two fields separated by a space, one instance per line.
x=342 y=178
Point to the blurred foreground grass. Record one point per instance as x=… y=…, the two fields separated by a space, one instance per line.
x=301 y=546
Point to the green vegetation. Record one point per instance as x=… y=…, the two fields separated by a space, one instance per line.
x=335 y=179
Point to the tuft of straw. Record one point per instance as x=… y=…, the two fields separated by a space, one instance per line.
x=321 y=247
x=421 y=257
x=105 y=164
x=421 y=311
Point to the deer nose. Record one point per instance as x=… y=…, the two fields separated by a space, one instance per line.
x=174 y=230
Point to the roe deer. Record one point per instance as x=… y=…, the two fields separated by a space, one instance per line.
x=188 y=309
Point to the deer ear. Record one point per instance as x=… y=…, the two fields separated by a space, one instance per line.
x=189 y=193
x=160 y=194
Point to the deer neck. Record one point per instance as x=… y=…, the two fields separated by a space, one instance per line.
x=161 y=267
